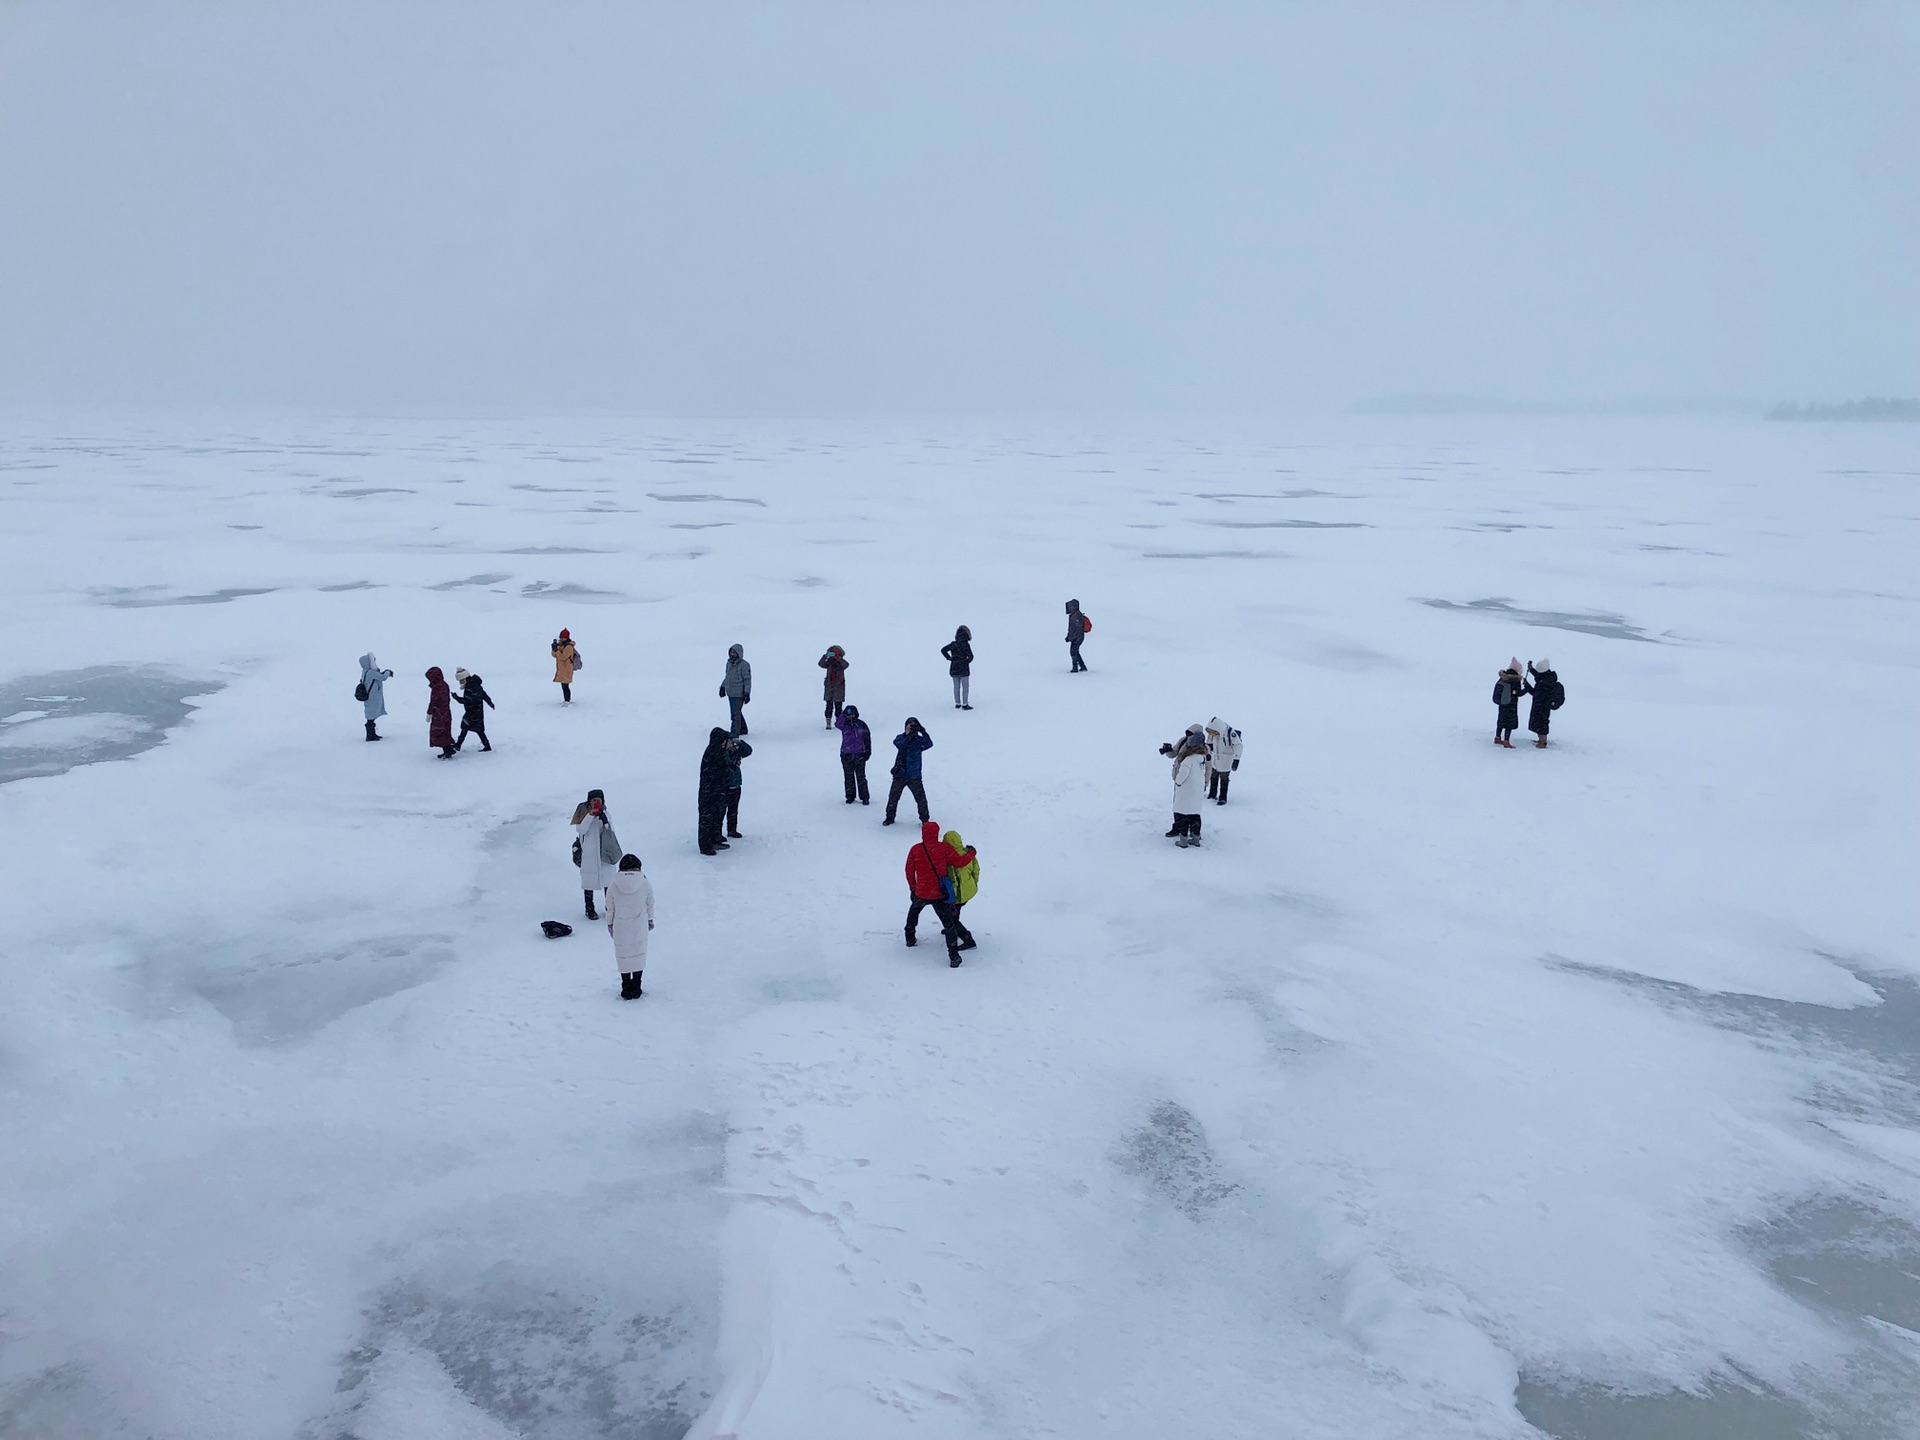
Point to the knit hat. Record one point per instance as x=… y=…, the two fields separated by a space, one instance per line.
x=460 y=674
x=1543 y=664
x=566 y=635
x=1514 y=664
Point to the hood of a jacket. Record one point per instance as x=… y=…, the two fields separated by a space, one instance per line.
x=952 y=838
x=628 y=882
x=734 y=652
x=368 y=664
x=435 y=677
x=929 y=832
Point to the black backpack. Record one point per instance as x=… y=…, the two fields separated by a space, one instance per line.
x=1559 y=697
x=360 y=692
x=554 y=929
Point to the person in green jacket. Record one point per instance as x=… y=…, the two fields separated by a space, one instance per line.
x=966 y=884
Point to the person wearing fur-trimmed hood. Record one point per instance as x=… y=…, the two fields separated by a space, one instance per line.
x=439 y=713
x=373 y=692
x=596 y=849
x=1507 y=689
x=1223 y=758
x=1190 y=767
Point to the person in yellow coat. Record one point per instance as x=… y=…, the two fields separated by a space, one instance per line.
x=566 y=660
x=966 y=884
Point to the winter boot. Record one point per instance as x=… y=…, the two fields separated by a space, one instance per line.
x=630 y=985
x=1541 y=743
x=591 y=914
x=953 y=962
x=911 y=939
x=372 y=734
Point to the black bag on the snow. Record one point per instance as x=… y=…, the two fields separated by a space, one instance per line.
x=554 y=929
x=360 y=692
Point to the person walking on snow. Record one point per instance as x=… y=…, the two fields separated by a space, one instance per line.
x=566 y=660
x=737 y=750
x=1223 y=758
x=712 y=796
x=834 y=662
x=1077 y=627
x=966 y=884
x=629 y=918
x=910 y=744
x=736 y=686
x=1548 y=696
x=1507 y=689
x=372 y=690
x=474 y=702
x=1190 y=767
x=439 y=713
x=856 y=748
x=596 y=850
x=928 y=884
x=958 y=654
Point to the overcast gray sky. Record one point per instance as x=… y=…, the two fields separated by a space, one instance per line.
x=818 y=207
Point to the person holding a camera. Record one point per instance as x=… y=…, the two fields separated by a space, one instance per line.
x=911 y=743
x=1190 y=767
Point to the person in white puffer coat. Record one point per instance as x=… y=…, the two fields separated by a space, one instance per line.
x=1223 y=758
x=629 y=918
x=1190 y=767
x=597 y=848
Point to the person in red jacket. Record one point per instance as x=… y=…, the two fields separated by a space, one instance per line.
x=927 y=866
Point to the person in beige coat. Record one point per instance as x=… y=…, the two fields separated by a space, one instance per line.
x=566 y=660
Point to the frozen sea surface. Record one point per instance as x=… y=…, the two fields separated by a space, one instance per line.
x=1444 y=1092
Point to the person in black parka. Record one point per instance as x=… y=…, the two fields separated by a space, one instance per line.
x=1548 y=694
x=715 y=780
x=1076 y=632
x=959 y=657
x=736 y=750
x=1506 y=694
x=474 y=703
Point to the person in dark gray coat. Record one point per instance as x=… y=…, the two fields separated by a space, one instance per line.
x=958 y=654
x=736 y=687
x=1076 y=632
x=736 y=751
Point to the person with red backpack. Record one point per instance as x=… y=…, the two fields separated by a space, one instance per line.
x=930 y=884
x=1077 y=627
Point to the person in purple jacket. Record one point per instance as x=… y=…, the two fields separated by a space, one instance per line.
x=856 y=748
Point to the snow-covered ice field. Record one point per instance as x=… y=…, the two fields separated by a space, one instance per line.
x=1444 y=1092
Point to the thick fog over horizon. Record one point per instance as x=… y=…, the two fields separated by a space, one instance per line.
x=860 y=209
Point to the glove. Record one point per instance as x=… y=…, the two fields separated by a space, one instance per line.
x=1236 y=764
x=721 y=692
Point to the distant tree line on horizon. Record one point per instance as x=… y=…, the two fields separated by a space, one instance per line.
x=1873 y=408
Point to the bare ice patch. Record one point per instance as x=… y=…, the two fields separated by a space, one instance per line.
x=49 y=724
x=1170 y=1152
x=1583 y=622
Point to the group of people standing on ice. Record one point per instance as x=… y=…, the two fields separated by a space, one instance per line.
x=1548 y=696
x=1204 y=760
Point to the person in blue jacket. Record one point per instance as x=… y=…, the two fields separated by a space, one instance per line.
x=912 y=742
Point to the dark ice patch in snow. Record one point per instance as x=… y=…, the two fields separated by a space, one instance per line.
x=246 y=527
x=1286 y=524
x=1883 y=1039
x=717 y=499
x=488 y=579
x=1724 y=1409
x=351 y=585
x=541 y=590
x=1590 y=622
x=791 y=989
x=283 y=1000
x=810 y=581
x=1170 y=1152
x=365 y=490
x=1212 y=555
x=1845 y=1257
x=83 y=717
x=141 y=597
x=555 y=550
x=709 y=525
x=1227 y=497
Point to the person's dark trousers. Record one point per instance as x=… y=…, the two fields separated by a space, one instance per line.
x=566 y=693
x=1078 y=663
x=733 y=812
x=853 y=769
x=833 y=711
x=948 y=917
x=900 y=783
x=591 y=915
x=739 y=716
x=466 y=730
x=713 y=811
x=1217 y=781
x=1189 y=825
x=960 y=929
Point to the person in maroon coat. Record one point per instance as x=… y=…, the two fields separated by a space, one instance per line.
x=439 y=713
x=834 y=662
x=927 y=884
